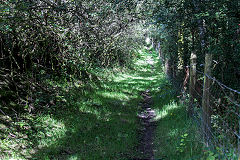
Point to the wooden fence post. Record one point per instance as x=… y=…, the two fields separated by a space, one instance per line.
x=192 y=84
x=206 y=119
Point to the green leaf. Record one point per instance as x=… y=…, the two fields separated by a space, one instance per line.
x=211 y=157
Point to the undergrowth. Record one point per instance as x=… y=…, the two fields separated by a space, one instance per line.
x=97 y=119
x=91 y=120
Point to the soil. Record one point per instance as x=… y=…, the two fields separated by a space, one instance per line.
x=148 y=126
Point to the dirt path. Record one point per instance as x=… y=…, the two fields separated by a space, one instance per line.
x=148 y=127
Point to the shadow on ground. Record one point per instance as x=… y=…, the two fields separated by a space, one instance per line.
x=95 y=121
x=102 y=122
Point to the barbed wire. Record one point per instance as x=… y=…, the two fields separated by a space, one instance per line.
x=219 y=83
x=223 y=129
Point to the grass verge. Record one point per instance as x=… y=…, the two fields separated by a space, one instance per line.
x=91 y=120
x=177 y=136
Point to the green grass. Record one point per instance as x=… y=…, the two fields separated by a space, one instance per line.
x=97 y=120
x=86 y=121
x=176 y=136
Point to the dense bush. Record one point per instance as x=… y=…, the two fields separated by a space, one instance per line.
x=48 y=39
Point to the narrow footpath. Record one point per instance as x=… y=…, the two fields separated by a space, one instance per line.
x=147 y=124
x=148 y=127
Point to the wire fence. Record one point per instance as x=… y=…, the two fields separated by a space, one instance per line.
x=219 y=124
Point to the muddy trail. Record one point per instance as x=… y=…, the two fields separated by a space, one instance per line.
x=147 y=127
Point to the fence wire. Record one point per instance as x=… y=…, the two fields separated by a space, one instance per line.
x=222 y=133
